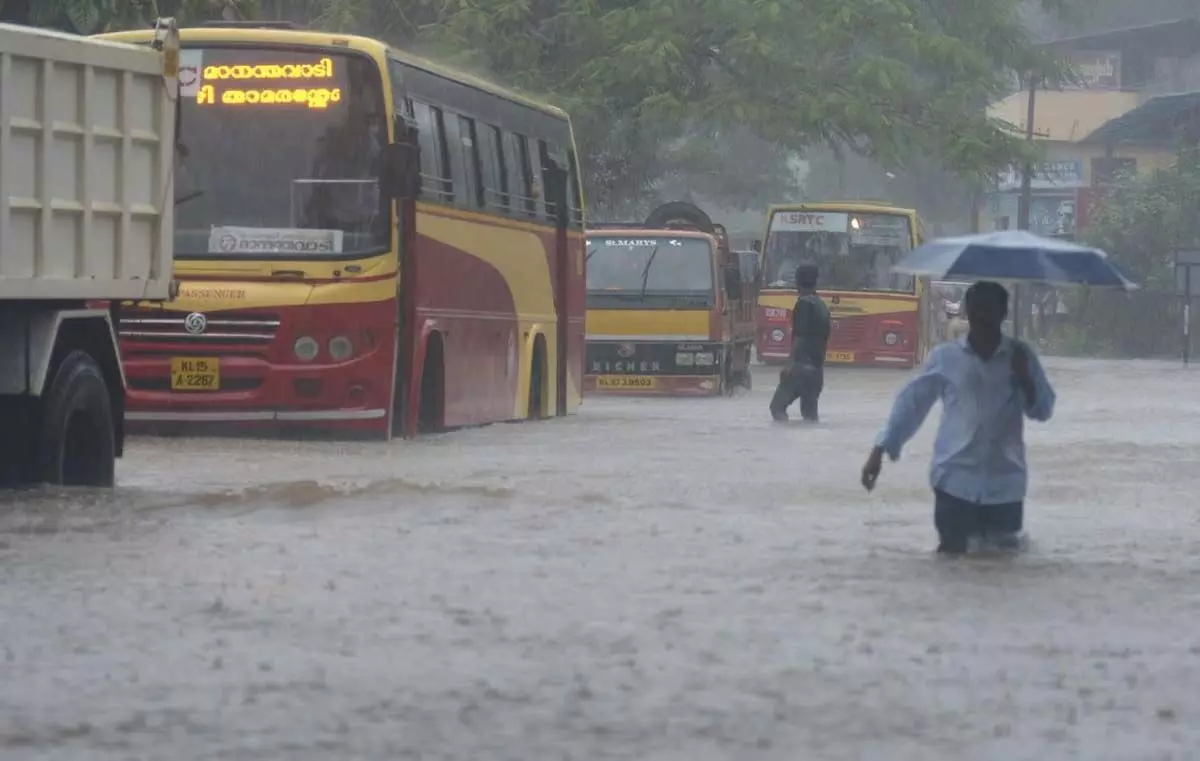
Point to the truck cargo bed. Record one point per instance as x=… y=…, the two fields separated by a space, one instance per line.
x=87 y=135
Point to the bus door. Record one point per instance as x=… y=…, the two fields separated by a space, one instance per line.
x=556 y=194
x=402 y=181
x=748 y=262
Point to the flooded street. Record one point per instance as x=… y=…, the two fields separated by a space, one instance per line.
x=650 y=579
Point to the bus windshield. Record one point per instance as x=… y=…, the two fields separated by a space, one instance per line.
x=852 y=251
x=278 y=155
x=655 y=269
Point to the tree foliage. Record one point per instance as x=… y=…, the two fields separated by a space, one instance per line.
x=893 y=79
x=663 y=87
x=92 y=16
x=1140 y=223
x=1145 y=218
x=944 y=200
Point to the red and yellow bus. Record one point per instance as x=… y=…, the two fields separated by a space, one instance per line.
x=879 y=318
x=366 y=242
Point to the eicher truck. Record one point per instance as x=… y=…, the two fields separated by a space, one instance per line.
x=87 y=149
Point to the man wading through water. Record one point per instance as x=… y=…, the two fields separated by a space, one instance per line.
x=987 y=384
x=804 y=378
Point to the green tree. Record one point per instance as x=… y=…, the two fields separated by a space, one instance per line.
x=92 y=16
x=943 y=199
x=1140 y=223
x=892 y=79
x=1145 y=218
x=660 y=89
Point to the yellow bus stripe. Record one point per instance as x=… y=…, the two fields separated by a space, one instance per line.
x=850 y=306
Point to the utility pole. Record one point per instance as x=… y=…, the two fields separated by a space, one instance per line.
x=1025 y=201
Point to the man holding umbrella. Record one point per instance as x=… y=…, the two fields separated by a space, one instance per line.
x=987 y=383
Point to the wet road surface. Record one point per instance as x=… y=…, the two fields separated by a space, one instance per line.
x=650 y=579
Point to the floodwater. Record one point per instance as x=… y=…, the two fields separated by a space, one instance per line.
x=649 y=579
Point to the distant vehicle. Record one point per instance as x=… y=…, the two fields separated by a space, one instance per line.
x=879 y=318
x=670 y=307
x=951 y=322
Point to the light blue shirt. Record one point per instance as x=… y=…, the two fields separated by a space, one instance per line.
x=979 y=455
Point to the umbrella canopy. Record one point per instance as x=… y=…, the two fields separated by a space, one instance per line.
x=1014 y=255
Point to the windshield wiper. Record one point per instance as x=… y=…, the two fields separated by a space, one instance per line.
x=591 y=252
x=646 y=271
x=189 y=197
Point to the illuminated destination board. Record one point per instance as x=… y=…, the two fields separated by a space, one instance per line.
x=308 y=84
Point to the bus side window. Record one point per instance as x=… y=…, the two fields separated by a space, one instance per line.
x=445 y=163
x=470 y=158
x=495 y=173
x=542 y=207
x=432 y=167
x=524 y=174
x=545 y=161
x=574 y=195
x=460 y=190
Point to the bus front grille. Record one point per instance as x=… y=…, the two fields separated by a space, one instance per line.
x=225 y=328
x=848 y=334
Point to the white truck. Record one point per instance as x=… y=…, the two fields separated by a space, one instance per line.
x=87 y=147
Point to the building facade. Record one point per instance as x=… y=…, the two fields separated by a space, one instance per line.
x=1134 y=90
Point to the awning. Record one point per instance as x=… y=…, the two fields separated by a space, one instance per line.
x=1156 y=120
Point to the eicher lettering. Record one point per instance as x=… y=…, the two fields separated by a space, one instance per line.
x=643 y=366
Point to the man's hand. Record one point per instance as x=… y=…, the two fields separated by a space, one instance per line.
x=870 y=471
x=1020 y=368
x=1020 y=363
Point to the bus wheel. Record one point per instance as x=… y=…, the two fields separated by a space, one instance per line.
x=432 y=415
x=76 y=441
x=537 y=382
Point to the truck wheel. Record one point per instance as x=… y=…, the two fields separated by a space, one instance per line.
x=76 y=444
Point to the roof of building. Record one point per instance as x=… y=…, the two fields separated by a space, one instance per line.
x=1177 y=37
x=1156 y=120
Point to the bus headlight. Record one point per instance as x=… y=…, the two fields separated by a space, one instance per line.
x=306 y=348
x=776 y=335
x=340 y=347
x=705 y=358
x=891 y=339
x=684 y=359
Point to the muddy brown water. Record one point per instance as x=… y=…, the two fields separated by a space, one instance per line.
x=650 y=579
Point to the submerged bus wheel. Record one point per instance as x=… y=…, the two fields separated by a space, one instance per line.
x=76 y=441
x=432 y=416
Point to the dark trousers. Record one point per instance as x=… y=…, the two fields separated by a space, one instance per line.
x=804 y=382
x=957 y=520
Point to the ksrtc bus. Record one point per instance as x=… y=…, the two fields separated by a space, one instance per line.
x=879 y=318
x=367 y=241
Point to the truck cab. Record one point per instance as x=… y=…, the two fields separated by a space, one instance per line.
x=669 y=310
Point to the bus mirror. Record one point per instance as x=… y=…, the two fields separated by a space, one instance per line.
x=401 y=178
x=756 y=246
